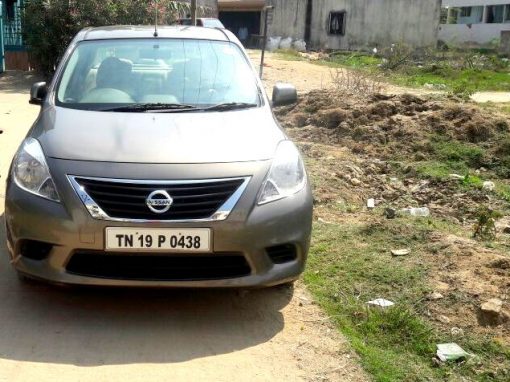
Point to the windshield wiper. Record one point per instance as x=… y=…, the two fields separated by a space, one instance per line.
x=157 y=107
x=231 y=106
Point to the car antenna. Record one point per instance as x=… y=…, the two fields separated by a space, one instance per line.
x=156 y=18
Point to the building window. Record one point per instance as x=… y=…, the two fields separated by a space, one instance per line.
x=337 y=23
x=507 y=14
x=495 y=14
x=453 y=15
x=10 y=9
x=465 y=11
x=444 y=16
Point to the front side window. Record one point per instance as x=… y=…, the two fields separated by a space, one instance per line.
x=199 y=73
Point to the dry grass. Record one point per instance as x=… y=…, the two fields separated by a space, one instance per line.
x=357 y=82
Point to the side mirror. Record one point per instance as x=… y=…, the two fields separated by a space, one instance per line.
x=38 y=93
x=284 y=94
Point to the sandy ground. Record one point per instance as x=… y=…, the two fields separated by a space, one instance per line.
x=49 y=333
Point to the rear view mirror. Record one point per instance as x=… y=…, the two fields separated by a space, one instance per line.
x=284 y=94
x=38 y=93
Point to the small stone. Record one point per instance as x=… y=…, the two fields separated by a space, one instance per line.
x=491 y=313
x=443 y=319
x=390 y=213
x=493 y=305
x=457 y=332
x=435 y=296
x=400 y=252
x=355 y=182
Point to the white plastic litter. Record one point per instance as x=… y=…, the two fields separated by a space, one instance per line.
x=299 y=45
x=488 y=185
x=371 y=203
x=273 y=43
x=450 y=352
x=400 y=252
x=422 y=211
x=381 y=302
x=286 y=43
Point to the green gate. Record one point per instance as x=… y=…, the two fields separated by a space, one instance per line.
x=2 y=54
x=13 y=38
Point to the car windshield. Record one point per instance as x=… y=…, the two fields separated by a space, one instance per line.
x=105 y=74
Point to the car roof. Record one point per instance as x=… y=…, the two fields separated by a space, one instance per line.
x=146 y=31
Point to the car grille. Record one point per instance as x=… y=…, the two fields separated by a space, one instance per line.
x=191 y=200
x=158 y=268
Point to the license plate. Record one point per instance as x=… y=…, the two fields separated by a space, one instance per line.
x=158 y=239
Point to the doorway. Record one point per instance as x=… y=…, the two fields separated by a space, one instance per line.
x=244 y=24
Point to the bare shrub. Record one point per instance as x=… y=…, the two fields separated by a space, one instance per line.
x=396 y=56
x=485 y=226
x=356 y=82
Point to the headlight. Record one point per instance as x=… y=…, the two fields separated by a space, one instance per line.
x=30 y=171
x=286 y=176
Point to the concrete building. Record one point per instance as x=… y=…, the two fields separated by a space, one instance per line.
x=474 y=22
x=340 y=24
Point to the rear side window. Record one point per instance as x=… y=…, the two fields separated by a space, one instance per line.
x=193 y=72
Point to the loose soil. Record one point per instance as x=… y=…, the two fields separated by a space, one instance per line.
x=370 y=146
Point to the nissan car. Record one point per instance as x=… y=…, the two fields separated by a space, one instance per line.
x=156 y=160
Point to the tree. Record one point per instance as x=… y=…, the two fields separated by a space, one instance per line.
x=50 y=25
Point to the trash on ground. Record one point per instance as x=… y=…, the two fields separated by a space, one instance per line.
x=371 y=203
x=422 y=211
x=273 y=43
x=299 y=45
x=400 y=252
x=286 y=43
x=450 y=352
x=456 y=176
x=488 y=185
x=381 y=302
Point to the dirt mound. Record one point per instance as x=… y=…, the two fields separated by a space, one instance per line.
x=383 y=125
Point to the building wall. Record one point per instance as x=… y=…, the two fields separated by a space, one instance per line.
x=474 y=30
x=369 y=23
x=476 y=34
x=288 y=18
x=470 y=3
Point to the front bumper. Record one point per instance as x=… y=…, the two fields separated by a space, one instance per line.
x=68 y=227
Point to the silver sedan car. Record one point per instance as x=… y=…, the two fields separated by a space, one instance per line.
x=156 y=160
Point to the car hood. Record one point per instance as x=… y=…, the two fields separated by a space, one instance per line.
x=193 y=137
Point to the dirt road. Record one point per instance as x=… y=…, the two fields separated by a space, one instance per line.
x=49 y=333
